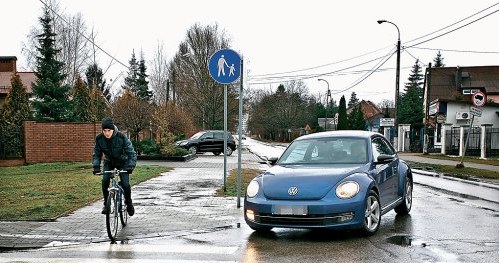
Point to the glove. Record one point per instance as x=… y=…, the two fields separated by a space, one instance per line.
x=129 y=171
x=96 y=170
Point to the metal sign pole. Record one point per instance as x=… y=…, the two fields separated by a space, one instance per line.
x=225 y=138
x=461 y=164
x=240 y=137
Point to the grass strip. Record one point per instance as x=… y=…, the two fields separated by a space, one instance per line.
x=46 y=191
x=231 y=184
x=449 y=170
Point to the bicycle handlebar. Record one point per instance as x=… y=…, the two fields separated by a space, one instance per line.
x=112 y=172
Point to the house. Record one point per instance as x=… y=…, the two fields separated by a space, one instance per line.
x=448 y=99
x=372 y=114
x=7 y=68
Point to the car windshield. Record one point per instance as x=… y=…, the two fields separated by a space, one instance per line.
x=332 y=150
x=197 y=135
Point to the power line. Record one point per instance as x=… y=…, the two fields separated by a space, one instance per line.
x=323 y=74
x=83 y=35
x=320 y=66
x=448 y=32
x=443 y=28
x=455 y=50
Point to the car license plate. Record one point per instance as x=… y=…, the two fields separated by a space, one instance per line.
x=290 y=209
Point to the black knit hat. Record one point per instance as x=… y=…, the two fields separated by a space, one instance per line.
x=107 y=123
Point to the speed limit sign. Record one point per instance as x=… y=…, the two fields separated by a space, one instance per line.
x=478 y=99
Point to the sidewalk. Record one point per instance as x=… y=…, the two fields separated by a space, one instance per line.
x=415 y=157
x=180 y=202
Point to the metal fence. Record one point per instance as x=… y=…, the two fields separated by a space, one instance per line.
x=474 y=141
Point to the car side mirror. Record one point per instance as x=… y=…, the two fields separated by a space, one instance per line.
x=385 y=158
x=272 y=160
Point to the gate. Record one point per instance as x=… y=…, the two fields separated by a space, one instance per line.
x=492 y=142
x=473 y=141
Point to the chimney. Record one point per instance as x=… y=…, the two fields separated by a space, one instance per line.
x=8 y=64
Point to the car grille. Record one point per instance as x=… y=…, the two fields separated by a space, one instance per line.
x=300 y=220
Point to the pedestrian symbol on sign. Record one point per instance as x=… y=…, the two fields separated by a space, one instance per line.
x=225 y=66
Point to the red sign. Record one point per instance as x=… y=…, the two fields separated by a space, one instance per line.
x=478 y=99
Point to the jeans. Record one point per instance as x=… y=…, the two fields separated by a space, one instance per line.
x=124 y=183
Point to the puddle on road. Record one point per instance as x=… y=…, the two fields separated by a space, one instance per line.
x=405 y=241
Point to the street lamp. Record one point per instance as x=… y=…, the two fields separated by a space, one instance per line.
x=397 y=78
x=328 y=98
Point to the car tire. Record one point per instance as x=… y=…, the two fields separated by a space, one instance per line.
x=405 y=207
x=229 y=151
x=193 y=150
x=372 y=215
x=216 y=153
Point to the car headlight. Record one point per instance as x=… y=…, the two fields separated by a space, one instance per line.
x=347 y=189
x=252 y=188
x=182 y=143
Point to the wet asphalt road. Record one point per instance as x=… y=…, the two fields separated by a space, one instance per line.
x=440 y=228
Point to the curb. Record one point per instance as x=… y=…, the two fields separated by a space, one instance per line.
x=434 y=174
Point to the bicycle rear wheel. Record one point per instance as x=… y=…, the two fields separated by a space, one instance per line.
x=123 y=212
x=112 y=216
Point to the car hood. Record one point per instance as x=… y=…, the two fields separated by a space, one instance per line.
x=313 y=183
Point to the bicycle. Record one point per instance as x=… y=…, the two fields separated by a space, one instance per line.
x=115 y=204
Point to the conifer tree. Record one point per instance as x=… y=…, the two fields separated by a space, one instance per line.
x=51 y=101
x=81 y=102
x=438 y=61
x=415 y=79
x=95 y=76
x=353 y=100
x=356 y=119
x=410 y=110
x=142 y=85
x=133 y=73
x=13 y=113
x=342 y=115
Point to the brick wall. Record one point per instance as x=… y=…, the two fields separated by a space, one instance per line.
x=59 y=142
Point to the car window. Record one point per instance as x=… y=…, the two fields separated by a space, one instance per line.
x=197 y=135
x=219 y=135
x=207 y=135
x=380 y=146
x=326 y=150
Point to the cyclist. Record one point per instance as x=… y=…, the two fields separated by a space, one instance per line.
x=118 y=153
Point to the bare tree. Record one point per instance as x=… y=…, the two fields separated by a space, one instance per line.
x=194 y=88
x=75 y=49
x=158 y=78
x=132 y=114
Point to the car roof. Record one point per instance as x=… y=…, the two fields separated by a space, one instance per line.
x=342 y=133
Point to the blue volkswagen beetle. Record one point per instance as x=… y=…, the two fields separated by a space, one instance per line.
x=337 y=180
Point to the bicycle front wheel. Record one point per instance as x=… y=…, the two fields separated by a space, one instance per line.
x=123 y=212
x=112 y=216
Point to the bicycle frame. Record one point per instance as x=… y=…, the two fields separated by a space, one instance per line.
x=115 y=204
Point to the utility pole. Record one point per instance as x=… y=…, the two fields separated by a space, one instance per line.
x=426 y=85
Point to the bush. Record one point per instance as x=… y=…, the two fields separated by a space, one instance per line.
x=149 y=147
x=181 y=151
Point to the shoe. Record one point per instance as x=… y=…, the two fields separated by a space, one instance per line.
x=130 y=209
x=104 y=210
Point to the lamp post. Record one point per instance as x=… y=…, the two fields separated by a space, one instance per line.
x=397 y=78
x=328 y=98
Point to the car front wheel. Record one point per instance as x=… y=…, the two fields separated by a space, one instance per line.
x=229 y=151
x=193 y=149
x=405 y=207
x=372 y=215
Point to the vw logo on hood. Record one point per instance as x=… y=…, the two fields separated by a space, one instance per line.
x=293 y=190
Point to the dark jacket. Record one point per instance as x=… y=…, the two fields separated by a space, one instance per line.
x=118 y=151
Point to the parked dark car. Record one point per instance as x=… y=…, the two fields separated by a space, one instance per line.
x=337 y=180
x=208 y=141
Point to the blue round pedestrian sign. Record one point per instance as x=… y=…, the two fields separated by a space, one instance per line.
x=225 y=66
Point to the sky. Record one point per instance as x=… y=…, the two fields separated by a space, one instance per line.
x=278 y=39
